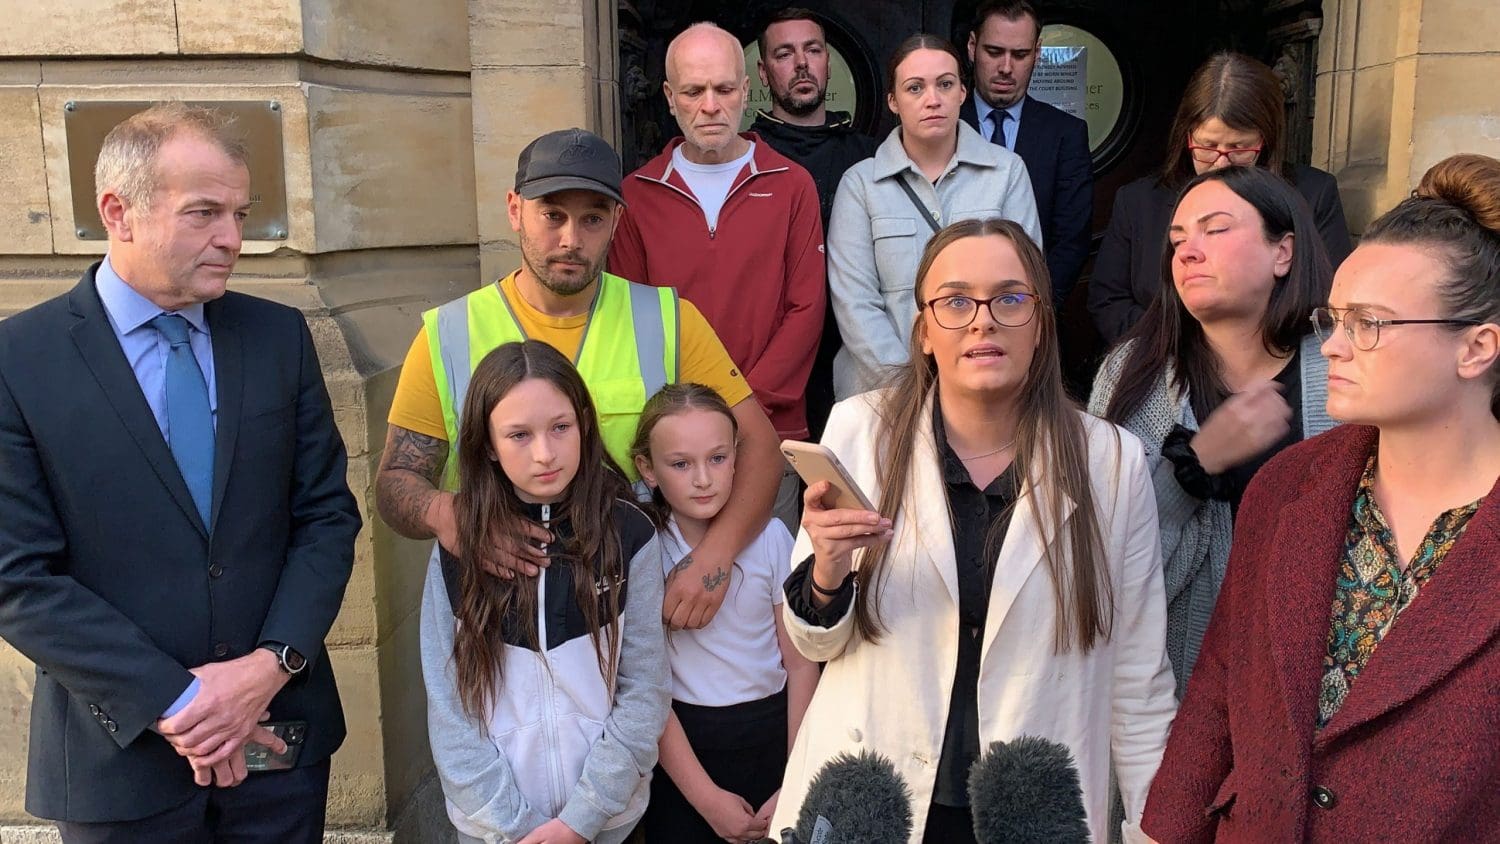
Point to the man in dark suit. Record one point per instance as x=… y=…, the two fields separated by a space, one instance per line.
x=1003 y=49
x=176 y=530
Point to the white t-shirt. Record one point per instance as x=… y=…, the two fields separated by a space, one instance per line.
x=710 y=183
x=736 y=658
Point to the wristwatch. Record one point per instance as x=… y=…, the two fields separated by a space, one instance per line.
x=290 y=661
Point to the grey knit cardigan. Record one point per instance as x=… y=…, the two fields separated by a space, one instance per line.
x=1195 y=533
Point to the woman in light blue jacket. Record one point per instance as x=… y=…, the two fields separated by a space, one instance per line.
x=930 y=171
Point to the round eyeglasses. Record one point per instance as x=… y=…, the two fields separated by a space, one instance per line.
x=1362 y=328
x=1011 y=309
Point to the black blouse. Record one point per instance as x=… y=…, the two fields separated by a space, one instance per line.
x=975 y=514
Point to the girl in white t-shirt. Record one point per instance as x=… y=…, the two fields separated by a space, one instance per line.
x=739 y=688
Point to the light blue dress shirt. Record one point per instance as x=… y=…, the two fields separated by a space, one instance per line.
x=1012 y=126
x=130 y=316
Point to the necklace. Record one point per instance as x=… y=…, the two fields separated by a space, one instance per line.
x=989 y=453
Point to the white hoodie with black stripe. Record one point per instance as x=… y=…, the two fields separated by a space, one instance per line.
x=559 y=743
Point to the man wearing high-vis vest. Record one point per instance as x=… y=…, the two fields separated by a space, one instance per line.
x=627 y=341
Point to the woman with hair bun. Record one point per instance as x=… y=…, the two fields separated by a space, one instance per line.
x=1232 y=114
x=1347 y=687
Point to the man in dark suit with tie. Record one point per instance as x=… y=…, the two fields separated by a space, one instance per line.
x=176 y=530
x=1003 y=48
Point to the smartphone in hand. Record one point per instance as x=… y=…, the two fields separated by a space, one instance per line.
x=258 y=757
x=815 y=462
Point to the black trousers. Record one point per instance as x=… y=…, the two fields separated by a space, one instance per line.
x=274 y=807
x=743 y=749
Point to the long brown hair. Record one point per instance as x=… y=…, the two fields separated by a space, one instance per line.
x=487 y=507
x=670 y=401
x=1455 y=212
x=1241 y=92
x=1167 y=336
x=1049 y=428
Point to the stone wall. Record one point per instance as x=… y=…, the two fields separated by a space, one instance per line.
x=539 y=66
x=401 y=125
x=1401 y=85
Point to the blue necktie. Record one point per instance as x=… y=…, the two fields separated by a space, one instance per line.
x=190 y=423
x=998 y=118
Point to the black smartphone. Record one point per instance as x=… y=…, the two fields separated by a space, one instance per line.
x=258 y=757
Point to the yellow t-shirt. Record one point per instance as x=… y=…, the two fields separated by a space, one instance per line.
x=701 y=359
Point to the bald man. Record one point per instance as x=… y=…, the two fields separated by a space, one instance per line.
x=735 y=226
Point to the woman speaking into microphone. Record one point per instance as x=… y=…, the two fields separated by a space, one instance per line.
x=1010 y=583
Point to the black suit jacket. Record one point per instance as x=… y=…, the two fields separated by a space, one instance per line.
x=110 y=582
x=1055 y=147
x=1128 y=272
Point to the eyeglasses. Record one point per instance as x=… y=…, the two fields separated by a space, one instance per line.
x=1012 y=309
x=1362 y=329
x=1210 y=155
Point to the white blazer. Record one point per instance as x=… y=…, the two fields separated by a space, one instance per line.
x=892 y=696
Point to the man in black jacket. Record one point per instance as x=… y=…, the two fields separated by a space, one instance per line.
x=1003 y=48
x=794 y=68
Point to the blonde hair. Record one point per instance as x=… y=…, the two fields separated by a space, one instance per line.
x=127 y=160
x=1455 y=212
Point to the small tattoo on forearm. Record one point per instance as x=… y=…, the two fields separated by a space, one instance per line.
x=681 y=566
x=715 y=580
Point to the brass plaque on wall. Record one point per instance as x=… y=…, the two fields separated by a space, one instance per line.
x=257 y=121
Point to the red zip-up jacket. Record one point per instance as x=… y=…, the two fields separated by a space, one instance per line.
x=759 y=276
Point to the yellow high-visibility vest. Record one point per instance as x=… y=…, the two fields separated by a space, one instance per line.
x=628 y=352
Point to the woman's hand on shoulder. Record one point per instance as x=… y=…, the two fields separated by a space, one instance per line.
x=553 y=832
x=837 y=534
x=1243 y=427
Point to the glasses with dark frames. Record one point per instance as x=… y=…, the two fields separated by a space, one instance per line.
x=1241 y=156
x=1012 y=309
x=1363 y=329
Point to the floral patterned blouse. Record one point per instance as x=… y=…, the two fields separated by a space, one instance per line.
x=1372 y=590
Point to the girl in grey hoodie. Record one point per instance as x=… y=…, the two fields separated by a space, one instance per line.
x=545 y=694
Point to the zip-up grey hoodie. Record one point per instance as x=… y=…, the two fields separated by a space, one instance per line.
x=559 y=743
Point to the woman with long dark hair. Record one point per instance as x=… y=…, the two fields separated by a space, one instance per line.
x=931 y=170
x=1347 y=686
x=546 y=693
x=1221 y=374
x=1231 y=114
x=1010 y=582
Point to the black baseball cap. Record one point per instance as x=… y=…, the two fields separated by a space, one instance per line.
x=569 y=159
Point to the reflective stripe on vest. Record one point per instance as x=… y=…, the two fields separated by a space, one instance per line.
x=624 y=318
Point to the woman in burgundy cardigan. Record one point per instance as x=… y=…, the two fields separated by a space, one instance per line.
x=1349 y=684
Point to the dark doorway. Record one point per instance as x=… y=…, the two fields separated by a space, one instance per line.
x=1156 y=45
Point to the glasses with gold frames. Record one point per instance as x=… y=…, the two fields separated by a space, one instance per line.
x=1362 y=328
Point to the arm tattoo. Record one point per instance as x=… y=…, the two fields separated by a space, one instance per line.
x=414 y=452
x=406 y=483
x=715 y=580
x=682 y=565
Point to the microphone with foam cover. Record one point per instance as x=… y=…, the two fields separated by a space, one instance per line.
x=1026 y=791
x=854 y=800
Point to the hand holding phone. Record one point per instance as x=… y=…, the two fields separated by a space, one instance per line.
x=815 y=462
x=258 y=757
x=837 y=515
